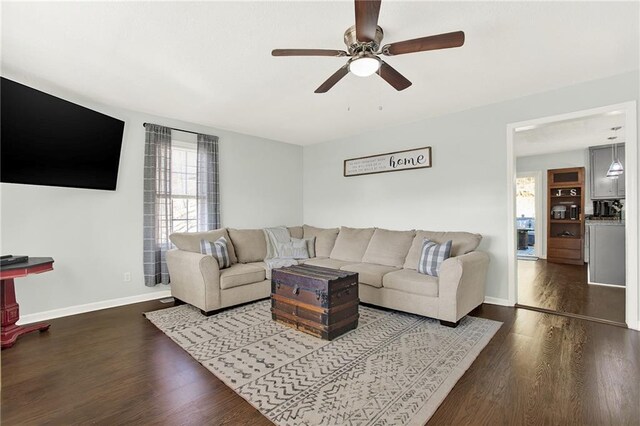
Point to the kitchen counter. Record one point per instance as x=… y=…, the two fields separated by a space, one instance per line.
x=607 y=222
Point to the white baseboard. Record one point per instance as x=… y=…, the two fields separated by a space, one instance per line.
x=606 y=285
x=497 y=301
x=89 y=307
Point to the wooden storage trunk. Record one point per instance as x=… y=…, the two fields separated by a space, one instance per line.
x=319 y=301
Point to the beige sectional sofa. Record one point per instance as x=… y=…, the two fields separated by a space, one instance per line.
x=386 y=262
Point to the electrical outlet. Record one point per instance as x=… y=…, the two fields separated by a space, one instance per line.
x=127 y=277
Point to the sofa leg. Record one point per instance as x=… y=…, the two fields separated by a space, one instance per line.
x=449 y=324
x=207 y=313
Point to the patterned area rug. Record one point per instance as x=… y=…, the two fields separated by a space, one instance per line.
x=394 y=369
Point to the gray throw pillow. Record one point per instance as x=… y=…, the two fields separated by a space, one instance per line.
x=432 y=256
x=218 y=249
x=294 y=249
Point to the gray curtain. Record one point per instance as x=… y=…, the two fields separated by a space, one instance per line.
x=157 y=203
x=207 y=183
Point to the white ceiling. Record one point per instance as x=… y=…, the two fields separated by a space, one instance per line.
x=210 y=63
x=569 y=135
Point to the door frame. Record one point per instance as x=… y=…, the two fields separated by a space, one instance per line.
x=632 y=302
x=538 y=228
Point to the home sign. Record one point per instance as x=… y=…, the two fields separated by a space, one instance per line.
x=418 y=158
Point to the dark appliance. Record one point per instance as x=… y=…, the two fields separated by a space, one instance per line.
x=605 y=208
x=9 y=259
x=49 y=141
x=574 y=212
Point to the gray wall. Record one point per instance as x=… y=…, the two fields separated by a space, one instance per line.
x=96 y=236
x=466 y=189
x=556 y=160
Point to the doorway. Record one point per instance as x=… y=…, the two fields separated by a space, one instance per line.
x=528 y=215
x=568 y=288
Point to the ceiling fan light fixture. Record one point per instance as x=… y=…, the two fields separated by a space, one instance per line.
x=364 y=66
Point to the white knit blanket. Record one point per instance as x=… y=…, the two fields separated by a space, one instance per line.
x=274 y=236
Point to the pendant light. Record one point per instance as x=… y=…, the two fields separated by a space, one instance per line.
x=615 y=169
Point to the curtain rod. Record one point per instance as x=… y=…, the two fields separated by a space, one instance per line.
x=173 y=128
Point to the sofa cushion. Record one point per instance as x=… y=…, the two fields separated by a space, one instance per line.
x=250 y=244
x=368 y=273
x=262 y=265
x=325 y=238
x=388 y=247
x=241 y=274
x=296 y=231
x=351 y=244
x=463 y=243
x=327 y=263
x=190 y=241
x=410 y=281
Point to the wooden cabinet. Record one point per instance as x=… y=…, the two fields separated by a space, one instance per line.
x=603 y=187
x=565 y=231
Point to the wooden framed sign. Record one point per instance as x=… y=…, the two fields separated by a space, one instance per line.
x=418 y=158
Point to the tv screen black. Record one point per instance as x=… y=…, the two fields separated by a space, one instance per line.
x=45 y=140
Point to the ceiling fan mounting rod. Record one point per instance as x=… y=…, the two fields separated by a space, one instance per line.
x=354 y=46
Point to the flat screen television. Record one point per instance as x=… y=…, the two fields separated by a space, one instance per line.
x=45 y=140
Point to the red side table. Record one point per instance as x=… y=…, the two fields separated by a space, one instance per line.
x=9 y=308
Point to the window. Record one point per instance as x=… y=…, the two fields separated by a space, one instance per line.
x=184 y=190
x=180 y=192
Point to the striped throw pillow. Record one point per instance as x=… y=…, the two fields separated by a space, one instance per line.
x=218 y=249
x=432 y=256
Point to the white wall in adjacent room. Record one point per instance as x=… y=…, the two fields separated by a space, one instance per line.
x=557 y=160
x=466 y=189
x=96 y=236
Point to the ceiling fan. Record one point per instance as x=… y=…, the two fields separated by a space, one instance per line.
x=363 y=48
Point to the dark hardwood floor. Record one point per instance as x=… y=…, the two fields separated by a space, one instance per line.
x=564 y=288
x=114 y=367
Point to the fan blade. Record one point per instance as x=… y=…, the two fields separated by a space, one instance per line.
x=331 y=81
x=308 y=52
x=440 y=41
x=393 y=77
x=367 y=12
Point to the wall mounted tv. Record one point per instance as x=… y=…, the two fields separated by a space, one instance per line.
x=49 y=141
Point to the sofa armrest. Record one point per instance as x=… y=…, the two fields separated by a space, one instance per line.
x=461 y=285
x=195 y=278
